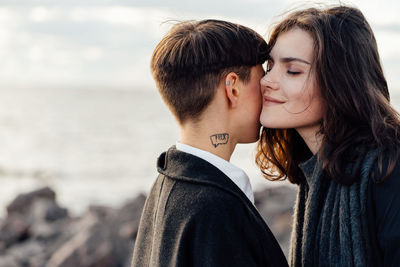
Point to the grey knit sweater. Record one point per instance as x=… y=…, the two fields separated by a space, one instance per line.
x=330 y=219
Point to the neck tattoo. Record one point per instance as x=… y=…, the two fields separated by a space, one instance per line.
x=219 y=139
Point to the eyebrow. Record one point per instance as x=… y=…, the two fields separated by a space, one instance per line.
x=290 y=59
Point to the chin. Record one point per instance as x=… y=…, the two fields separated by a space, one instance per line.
x=271 y=124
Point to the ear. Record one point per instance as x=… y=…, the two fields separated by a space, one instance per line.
x=231 y=88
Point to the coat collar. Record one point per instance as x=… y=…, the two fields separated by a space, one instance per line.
x=182 y=166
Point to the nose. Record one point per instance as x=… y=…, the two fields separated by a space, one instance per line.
x=268 y=83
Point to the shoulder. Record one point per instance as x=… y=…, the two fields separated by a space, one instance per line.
x=197 y=200
x=194 y=210
x=384 y=211
x=384 y=191
x=386 y=174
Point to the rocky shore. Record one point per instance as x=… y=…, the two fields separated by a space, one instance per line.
x=38 y=232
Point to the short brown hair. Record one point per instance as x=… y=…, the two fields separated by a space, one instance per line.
x=190 y=61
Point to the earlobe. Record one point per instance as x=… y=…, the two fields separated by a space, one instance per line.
x=232 y=95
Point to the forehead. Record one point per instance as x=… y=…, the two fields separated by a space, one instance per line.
x=294 y=43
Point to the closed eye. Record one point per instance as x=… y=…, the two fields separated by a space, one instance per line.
x=293 y=72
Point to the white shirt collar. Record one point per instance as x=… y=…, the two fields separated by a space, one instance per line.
x=237 y=175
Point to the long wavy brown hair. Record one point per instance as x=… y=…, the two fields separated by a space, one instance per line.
x=358 y=113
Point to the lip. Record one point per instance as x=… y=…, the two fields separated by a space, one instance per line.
x=271 y=101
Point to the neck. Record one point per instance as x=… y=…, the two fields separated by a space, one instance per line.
x=311 y=137
x=216 y=140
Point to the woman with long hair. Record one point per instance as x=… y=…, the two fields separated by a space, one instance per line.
x=328 y=127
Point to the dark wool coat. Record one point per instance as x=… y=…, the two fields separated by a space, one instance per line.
x=196 y=216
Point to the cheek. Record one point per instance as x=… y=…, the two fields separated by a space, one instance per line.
x=256 y=92
x=300 y=98
x=319 y=109
x=315 y=111
x=295 y=90
x=252 y=102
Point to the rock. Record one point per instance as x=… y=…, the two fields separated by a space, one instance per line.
x=275 y=205
x=13 y=230
x=46 y=210
x=102 y=212
x=23 y=202
x=8 y=261
x=129 y=230
x=38 y=232
x=89 y=247
x=47 y=231
x=25 y=252
x=106 y=241
x=132 y=209
x=66 y=230
x=124 y=227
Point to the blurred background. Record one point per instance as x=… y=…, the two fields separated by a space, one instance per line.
x=79 y=111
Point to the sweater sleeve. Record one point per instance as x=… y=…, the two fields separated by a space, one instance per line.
x=387 y=209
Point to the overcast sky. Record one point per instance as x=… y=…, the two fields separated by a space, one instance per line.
x=99 y=43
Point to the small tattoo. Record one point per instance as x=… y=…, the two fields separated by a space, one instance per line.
x=219 y=139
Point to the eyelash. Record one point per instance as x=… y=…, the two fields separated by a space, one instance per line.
x=293 y=72
x=268 y=68
x=288 y=72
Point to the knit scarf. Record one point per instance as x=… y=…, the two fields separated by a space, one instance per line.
x=330 y=226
